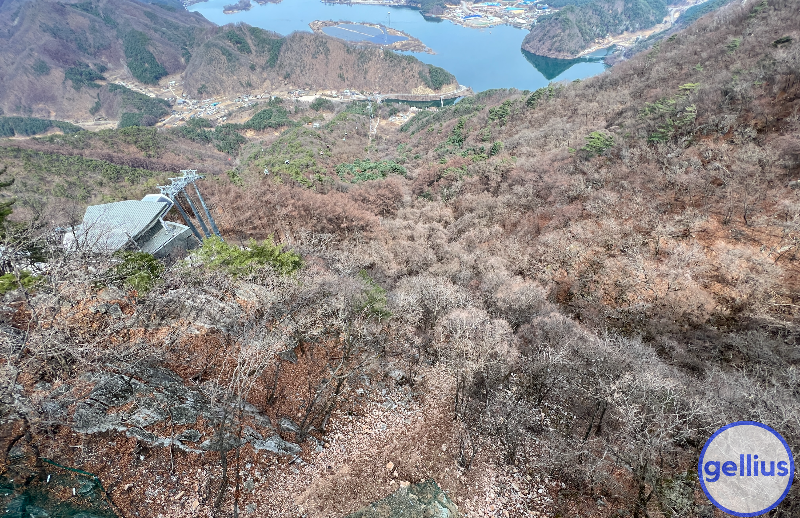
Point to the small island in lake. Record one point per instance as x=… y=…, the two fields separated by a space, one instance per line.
x=238 y=7
x=241 y=5
x=370 y=34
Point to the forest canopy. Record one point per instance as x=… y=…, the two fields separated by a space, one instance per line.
x=569 y=31
x=141 y=62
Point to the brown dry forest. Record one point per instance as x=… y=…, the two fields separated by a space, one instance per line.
x=544 y=301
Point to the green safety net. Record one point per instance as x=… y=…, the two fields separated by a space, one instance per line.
x=54 y=491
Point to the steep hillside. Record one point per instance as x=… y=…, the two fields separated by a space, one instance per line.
x=545 y=301
x=55 y=55
x=57 y=176
x=572 y=29
x=244 y=58
x=56 y=58
x=651 y=204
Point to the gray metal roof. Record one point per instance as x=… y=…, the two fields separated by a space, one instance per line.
x=169 y=231
x=109 y=227
x=157 y=197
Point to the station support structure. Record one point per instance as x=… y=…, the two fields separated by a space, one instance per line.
x=176 y=191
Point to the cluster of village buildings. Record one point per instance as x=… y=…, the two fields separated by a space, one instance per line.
x=185 y=108
x=519 y=13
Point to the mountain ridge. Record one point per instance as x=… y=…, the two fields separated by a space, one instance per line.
x=57 y=56
x=572 y=29
x=568 y=290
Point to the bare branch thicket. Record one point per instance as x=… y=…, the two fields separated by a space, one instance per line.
x=322 y=317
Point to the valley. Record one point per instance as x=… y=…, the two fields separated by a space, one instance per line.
x=208 y=62
x=481 y=59
x=219 y=108
x=541 y=300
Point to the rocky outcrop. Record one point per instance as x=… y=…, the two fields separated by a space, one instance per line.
x=201 y=309
x=425 y=499
x=140 y=402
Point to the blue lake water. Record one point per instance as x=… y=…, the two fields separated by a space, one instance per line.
x=479 y=58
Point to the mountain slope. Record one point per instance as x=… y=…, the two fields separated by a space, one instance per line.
x=551 y=299
x=243 y=57
x=55 y=57
x=652 y=203
x=572 y=29
x=54 y=53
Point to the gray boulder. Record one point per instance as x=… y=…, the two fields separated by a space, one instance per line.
x=141 y=401
x=287 y=425
x=276 y=445
x=422 y=500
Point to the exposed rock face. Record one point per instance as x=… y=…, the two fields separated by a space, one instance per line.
x=145 y=398
x=276 y=445
x=38 y=498
x=200 y=309
x=422 y=500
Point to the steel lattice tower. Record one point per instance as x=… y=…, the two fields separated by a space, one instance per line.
x=177 y=188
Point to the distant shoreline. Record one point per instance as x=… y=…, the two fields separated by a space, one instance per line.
x=188 y=3
x=483 y=15
x=411 y=44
